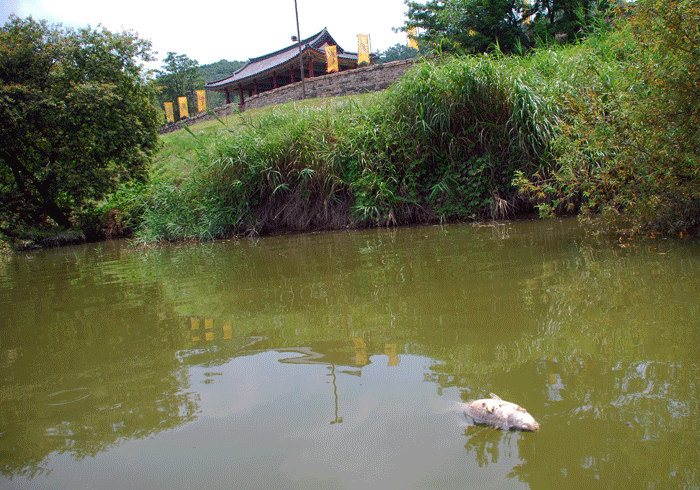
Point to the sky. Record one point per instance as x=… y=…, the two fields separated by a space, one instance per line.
x=224 y=29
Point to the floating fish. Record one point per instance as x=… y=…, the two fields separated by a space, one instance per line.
x=500 y=414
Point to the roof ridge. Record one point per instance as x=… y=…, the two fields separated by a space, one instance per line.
x=266 y=63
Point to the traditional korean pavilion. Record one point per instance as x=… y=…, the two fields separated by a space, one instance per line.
x=281 y=68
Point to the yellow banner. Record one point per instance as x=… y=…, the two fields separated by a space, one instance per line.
x=363 y=48
x=169 y=114
x=331 y=59
x=182 y=104
x=201 y=100
x=412 y=35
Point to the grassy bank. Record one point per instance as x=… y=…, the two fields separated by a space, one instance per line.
x=442 y=144
x=563 y=130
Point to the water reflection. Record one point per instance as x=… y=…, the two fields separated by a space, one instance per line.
x=340 y=340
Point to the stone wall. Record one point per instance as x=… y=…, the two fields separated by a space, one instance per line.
x=372 y=78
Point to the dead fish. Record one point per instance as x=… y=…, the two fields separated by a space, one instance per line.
x=500 y=414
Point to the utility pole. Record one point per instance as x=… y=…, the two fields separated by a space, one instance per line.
x=301 y=62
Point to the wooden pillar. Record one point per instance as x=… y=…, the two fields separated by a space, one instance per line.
x=311 y=66
x=255 y=85
x=228 y=95
x=274 y=80
x=242 y=101
x=291 y=74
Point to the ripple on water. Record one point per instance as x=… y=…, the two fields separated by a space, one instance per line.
x=67 y=397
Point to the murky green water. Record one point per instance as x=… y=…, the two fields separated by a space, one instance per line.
x=330 y=360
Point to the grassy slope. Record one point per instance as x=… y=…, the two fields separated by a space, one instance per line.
x=180 y=150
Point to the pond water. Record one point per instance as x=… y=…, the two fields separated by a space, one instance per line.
x=333 y=360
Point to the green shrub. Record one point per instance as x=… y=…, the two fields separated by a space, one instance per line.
x=627 y=154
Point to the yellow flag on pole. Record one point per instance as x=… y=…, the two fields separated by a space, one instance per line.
x=182 y=104
x=201 y=100
x=363 y=48
x=412 y=34
x=169 y=114
x=331 y=59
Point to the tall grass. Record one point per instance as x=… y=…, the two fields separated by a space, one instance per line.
x=467 y=124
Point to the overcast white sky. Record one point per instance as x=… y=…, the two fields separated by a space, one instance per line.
x=224 y=29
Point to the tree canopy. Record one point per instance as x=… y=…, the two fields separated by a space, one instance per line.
x=221 y=69
x=76 y=120
x=478 y=26
x=179 y=77
x=398 y=52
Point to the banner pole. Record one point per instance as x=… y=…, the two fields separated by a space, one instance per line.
x=301 y=62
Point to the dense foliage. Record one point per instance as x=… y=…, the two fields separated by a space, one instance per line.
x=76 y=121
x=628 y=153
x=213 y=72
x=508 y=26
x=398 y=52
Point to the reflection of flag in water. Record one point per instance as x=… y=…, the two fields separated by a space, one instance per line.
x=360 y=353
x=182 y=104
x=201 y=101
x=412 y=34
x=208 y=325
x=228 y=331
x=363 y=48
x=194 y=325
x=331 y=59
x=390 y=350
x=169 y=114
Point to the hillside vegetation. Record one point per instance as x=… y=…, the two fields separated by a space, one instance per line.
x=606 y=128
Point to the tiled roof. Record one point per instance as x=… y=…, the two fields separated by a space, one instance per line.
x=255 y=67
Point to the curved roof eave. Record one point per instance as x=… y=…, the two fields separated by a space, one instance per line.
x=261 y=65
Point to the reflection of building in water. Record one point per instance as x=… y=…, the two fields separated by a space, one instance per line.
x=334 y=352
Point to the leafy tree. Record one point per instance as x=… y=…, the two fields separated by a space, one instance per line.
x=566 y=21
x=471 y=26
x=179 y=77
x=398 y=52
x=76 y=120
